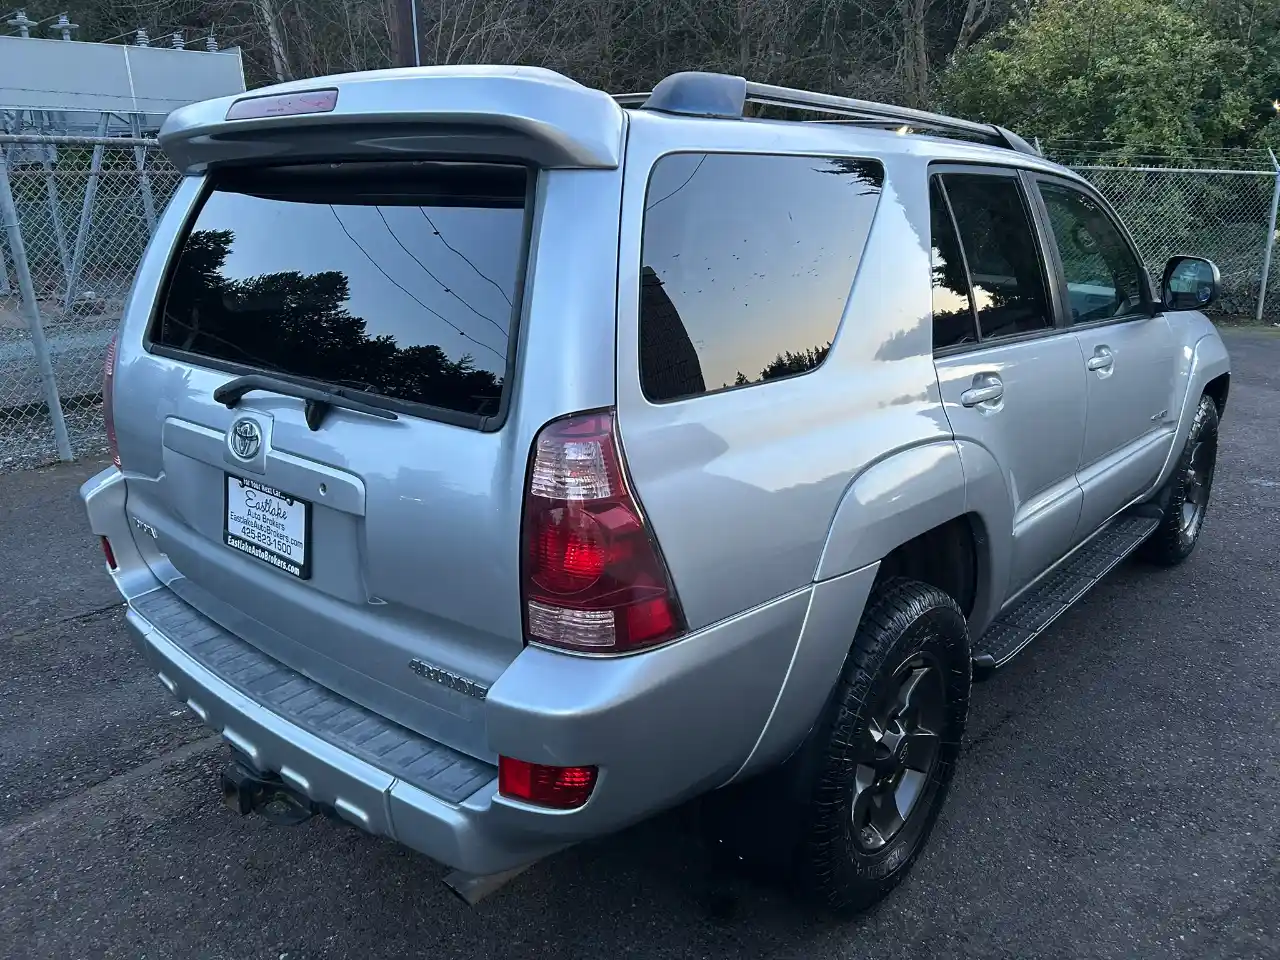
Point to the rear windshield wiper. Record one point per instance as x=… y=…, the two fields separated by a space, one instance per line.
x=317 y=401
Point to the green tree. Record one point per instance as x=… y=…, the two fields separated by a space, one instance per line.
x=1133 y=72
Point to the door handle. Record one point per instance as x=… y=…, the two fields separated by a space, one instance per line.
x=1102 y=359
x=992 y=390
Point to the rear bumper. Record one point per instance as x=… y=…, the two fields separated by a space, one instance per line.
x=360 y=792
x=662 y=727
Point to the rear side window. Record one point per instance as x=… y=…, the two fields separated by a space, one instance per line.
x=396 y=280
x=747 y=264
x=1005 y=269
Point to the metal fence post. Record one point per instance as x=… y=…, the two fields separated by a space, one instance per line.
x=4 y=257
x=9 y=218
x=55 y=215
x=144 y=180
x=86 y=214
x=1271 y=240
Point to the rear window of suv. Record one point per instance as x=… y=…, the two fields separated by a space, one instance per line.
x=398 y=281
x=747 y=262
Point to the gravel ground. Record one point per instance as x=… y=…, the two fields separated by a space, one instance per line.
x=1119 y=793
x=26 y=442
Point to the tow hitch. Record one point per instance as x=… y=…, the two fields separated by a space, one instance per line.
x=247 y=791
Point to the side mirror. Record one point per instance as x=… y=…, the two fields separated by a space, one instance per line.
x=1190 y=283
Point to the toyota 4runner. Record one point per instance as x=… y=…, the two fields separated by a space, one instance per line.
x=499 y=462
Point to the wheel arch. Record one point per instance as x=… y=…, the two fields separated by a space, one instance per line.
x=904 y=516
x=1218 y=389
x=1206 y=371
x=945 y=556
x=891 y=502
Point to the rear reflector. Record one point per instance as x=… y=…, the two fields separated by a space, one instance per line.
x=108 y=553
x=562 y=788
x=593 y=579
x=284 y=105
x=108 y=401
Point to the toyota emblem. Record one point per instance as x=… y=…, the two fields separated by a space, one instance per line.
x=245 y=438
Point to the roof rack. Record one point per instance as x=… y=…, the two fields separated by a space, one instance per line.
x=698 y=94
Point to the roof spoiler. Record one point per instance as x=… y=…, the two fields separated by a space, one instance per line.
x=525 y=114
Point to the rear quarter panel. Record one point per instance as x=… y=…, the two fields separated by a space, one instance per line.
x=742 y=486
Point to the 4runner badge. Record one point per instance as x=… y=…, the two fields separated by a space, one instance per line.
x=447 y=679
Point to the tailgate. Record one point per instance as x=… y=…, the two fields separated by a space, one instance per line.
x=372 y=541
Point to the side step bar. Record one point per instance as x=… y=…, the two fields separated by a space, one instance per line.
x=1037 y=609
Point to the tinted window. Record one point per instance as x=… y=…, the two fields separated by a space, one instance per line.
x=1104 y=278
x=395 y=279
x=1004 y=261
x=747 y=264
x=953 y=321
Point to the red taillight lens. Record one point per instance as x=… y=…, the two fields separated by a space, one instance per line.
x=561 y=787
x=108 y=401
x=594 y=580
x=108 y=553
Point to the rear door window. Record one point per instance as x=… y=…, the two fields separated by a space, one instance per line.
x=747 y=264
x=397 y=281
x=1006 y=270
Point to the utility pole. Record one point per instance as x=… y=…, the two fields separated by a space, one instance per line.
x=405 y=50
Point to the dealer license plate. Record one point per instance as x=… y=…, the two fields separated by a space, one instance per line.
x=269 y=525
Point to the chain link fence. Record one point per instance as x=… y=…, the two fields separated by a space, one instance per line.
x=76 y=214
x=1225 y=215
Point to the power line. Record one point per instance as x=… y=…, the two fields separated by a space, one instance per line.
x=443 y=286
x=378 y=267
x=682 y=186
x=436 y=231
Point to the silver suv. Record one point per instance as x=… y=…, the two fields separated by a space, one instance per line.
x=501 y=462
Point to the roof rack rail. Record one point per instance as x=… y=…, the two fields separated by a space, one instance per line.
x=698 y=94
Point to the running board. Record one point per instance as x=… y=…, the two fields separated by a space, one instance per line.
x=1037 y=609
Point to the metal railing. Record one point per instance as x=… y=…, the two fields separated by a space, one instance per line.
x=76 y=214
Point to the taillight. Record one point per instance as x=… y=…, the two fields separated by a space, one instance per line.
x=593 y=579
x=560 y=787
x=108 y=400
x=108 y=553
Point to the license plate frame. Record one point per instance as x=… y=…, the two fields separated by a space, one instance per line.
x=286 y=526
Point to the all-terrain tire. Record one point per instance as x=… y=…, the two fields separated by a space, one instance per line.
x=905 y=622
x=1184 y=498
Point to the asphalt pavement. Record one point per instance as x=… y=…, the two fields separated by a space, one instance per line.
x=1118 y=796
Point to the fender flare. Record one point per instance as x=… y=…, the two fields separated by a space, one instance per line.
x=989 y=500
x=890 y=502
x=1204 y=362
